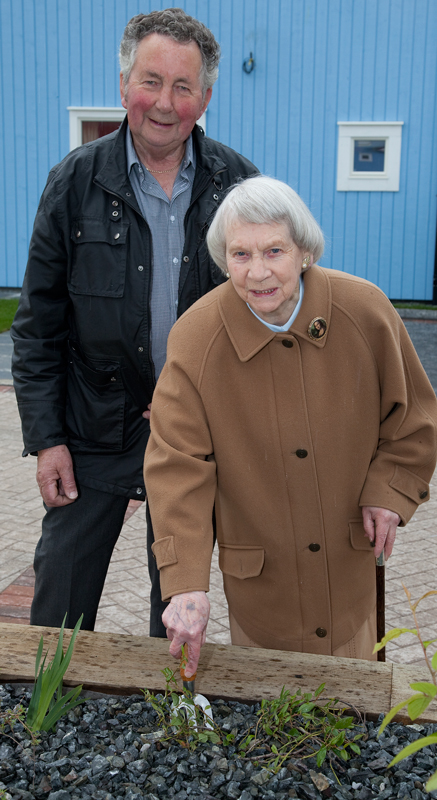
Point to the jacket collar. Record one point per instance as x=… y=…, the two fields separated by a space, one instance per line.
x=114 y=178
x=249 y=336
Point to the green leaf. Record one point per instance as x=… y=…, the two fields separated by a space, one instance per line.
x=434 y=661
x=417 y=705
x=321 y=755
x=425 y=687
x=394 y=633
x=392 y=713
x=413 y=748
x=356 y=749
x=427 y=642
x=431 y=784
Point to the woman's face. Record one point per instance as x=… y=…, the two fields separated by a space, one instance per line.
x=264 y=265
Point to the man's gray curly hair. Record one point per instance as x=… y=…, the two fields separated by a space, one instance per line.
x=178 y=25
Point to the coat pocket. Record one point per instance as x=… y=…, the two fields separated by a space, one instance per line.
x=358 y=538
x=241 y=561
x=95 y=405
x=98 y=265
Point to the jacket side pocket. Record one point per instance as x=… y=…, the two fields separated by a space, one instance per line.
x=358 y=538
x=241 y=561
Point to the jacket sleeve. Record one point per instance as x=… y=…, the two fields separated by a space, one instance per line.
x=404 y=462
x=180 y=475
x=40 y=331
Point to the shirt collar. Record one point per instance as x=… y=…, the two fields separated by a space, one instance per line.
x=132 y=158
x=288 y=324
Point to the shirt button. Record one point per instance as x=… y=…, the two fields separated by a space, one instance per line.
x=314 y=547
x=287 y=343
x=140 y=268
x=321 y=632
x=140 y=349
x=175 y=261
x=423 y=494
x=139 y=490
x=172 y=219
x=186 y=259
x=115 y=202
x=301 y=453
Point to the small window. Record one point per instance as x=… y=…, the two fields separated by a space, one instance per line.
x=87 y=124
x=369 y=156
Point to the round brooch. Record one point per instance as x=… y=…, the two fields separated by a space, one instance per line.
x=317 y=328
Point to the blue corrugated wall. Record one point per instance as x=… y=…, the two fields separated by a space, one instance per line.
x=317 y=62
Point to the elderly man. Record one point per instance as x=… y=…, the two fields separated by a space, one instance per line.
x=117 y=254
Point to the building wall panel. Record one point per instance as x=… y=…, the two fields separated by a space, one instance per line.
x=317 y=62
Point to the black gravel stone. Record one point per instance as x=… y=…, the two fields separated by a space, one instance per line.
x=113 y=749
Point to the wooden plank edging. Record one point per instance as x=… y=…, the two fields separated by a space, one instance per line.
x=122 y=664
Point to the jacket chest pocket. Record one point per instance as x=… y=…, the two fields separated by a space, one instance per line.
x=98 y=265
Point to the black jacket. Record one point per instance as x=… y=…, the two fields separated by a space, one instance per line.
x=82 y=366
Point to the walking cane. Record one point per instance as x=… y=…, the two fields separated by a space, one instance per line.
x=380 y=602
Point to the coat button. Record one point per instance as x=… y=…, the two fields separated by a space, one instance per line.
x=78 y=233
x=117 y=236
x=301 y=453
x=115 y=202
x=113 y=379
x=321 y=632
x=139 y=490
x=423 y=494
x=215 y=196
x=287 y=343
x=186 y=259
x=140 y=349
x=140 y=268
x=115 y=213
x=314 y=547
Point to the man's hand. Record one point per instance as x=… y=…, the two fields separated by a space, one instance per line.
x=186 y=618
x=146 y=414
x=380 y=526
x=132 y=506
x=55 y=476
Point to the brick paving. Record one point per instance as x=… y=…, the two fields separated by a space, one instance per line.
x=124 y=607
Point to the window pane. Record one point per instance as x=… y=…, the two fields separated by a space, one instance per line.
x=369 y=155
x=93 y=129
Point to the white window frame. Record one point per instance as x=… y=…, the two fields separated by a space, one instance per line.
x=387 y=181
x=79 y=114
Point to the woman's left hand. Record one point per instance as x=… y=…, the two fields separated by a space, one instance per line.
x=380 y=526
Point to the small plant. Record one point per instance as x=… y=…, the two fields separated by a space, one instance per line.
x=47 y=703
x=299 y=725
x=175 y=723
x=425 y=691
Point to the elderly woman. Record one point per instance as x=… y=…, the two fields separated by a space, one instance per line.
x=293 y=403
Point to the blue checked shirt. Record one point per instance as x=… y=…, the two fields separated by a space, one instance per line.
x=165 y=219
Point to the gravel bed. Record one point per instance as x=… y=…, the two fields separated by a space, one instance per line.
x=109 y=749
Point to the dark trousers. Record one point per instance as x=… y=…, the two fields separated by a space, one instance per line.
x=72 y=559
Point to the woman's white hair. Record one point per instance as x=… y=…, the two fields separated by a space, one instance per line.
x=263 y=200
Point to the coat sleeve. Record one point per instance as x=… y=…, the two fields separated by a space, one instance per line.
x=40 y=331
x=180 y=476
x=404 y=462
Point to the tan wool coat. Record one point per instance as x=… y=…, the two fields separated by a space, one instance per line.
x=288 y=436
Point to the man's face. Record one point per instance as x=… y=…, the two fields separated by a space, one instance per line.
x=163 y=96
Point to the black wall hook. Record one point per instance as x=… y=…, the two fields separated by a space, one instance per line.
x=249 y=64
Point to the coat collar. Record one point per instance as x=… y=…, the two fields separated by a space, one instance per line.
x=249 y=336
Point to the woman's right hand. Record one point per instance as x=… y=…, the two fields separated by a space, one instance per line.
x=186 y=618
